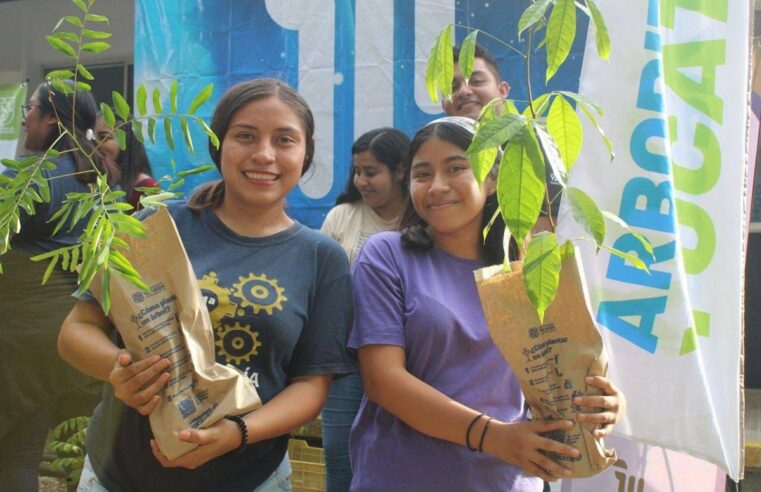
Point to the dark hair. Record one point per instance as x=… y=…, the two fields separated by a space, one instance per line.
x=488 y=58
x=77 y=108
x=388 y=145
x=211 y=194
x=414 y=228
x=132 y=161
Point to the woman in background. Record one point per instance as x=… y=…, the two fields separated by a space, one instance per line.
x=374 y=198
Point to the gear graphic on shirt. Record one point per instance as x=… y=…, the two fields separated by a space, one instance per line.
x=237 y=343
x=218 y=301
x=260 y=293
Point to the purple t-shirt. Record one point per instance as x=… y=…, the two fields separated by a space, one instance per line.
x=427 y=302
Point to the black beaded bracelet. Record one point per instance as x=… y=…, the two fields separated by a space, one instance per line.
x=483 y=435
x=243 y=430
x=470 y=428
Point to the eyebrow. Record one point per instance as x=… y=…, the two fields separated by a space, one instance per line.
x=253 y=127
x=448 y=159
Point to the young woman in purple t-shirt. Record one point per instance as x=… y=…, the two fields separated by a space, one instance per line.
x=427 y=361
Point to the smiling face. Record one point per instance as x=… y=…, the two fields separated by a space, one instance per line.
x=444 y=191
x=37 y=125
x=469 y=98
x=262 y=155
x=105 y=137
x=375 y=181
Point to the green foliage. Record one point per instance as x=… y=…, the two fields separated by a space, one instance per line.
x=68 y=441
x=547 y=133
x=100 y=247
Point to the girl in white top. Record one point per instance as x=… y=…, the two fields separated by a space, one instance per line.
x=374 y=198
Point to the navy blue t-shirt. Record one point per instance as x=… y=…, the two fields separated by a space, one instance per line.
x=281 y=307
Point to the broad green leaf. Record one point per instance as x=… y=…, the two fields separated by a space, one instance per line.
x=539 y=106
x=521 y=184
x=67 y=36
x=212 y=136
x=96 y=34
x=173 y=96
x=602 y=39
x=622 y=223
x=61 y=46
x=186 y=134
x=632 y=259
x=121 y=106
x=586 y=213
x=137 y=130
x=564 y=126
x=561 y=30
x=73 y=20
x=605 y=138
x=96 y=18
x=467 y=54
x=583 y=101
x=84 y=72
x=157 y=101
x=541 y=271
x=567 y=250
x=496 y=132
x=142 y=96
x=483 y=162
x=121 y=138
x=59 y=74
x=551 y=152
x=152 y=130
x=533 y=14
x=168 y=133
x=440 y=70
x=108 y=115
x=95 y=47
x=201 y=98
x=80 y=4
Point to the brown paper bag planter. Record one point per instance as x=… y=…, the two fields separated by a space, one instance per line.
x=550 y=358
x=172 y=321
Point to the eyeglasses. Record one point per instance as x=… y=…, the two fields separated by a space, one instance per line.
x=25 y=108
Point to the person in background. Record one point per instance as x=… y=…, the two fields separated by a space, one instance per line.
x=288 y=295
x=469 y=98
x=32 y=375
x=133 y=161
x=443 y=410
x=374 y=198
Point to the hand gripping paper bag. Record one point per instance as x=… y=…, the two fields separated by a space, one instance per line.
x=172 y=321
x=551 y=358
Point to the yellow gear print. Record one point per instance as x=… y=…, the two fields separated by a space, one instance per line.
x=217 y=299
x=237 y=343
x=260 y=293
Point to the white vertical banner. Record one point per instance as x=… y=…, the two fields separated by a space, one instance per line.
x=675 y=97
x=12 y=96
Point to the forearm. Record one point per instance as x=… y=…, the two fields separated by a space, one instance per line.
x=84 y=344
x=299 y=403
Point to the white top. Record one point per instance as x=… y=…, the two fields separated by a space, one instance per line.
x=352 y=223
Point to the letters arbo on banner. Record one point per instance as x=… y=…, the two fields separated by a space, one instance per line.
x=674 y=95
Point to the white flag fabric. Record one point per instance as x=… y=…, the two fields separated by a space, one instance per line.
x=675 y=96
x=11 y=98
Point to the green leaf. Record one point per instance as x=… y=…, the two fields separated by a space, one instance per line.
x=541 y=271
x=121 y=106
x=583 y=100
x=95 y=47
x=73 y=20
x=152 y=130
x=586 y=213
x=173 y=96
x=632 y=259
x=539 y=105
x=80 y=4
x=564 y=126
x=108 y=115
x=602 y=38
x=567 y=250
x=440 y=70
x=121 y=138
x=551 y=152
x=65 y=88
x=157 y=101
x=467 y=54
x=59 y=74
x=605 y=138
x=212 y=136
x=105 y=295
x=622 y=223
x=561 y=30
x=196 y=170
x=482 y=162
x=83 y=86
x=489 y=136
x=186 y=134
x=96 y=18
x=168 y=133
x=201 y=98
x=521 y=184
x=142 y=96
x=96 y=34
x=49 y=269
x=137 y=130
x=533 y=14
x=61 y=46
x=84 y=72
x=67 y=36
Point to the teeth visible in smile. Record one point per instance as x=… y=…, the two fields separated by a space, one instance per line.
x=259 y=176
